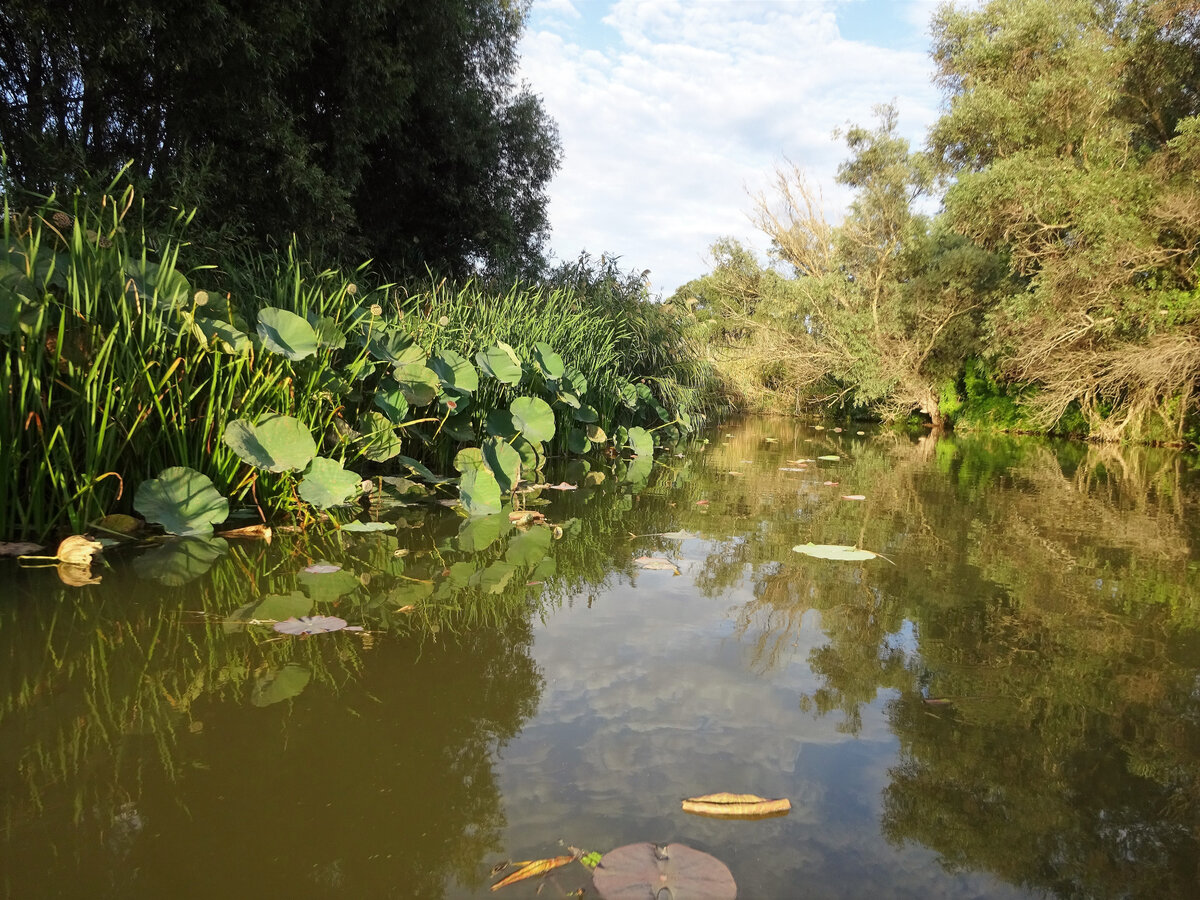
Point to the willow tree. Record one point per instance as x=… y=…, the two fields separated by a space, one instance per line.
x=1073 y=138
x=887 y=304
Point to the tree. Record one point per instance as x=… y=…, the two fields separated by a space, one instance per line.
x=393 y=129
x=1072 y=136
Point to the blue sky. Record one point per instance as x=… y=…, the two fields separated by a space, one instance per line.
x=672 y=114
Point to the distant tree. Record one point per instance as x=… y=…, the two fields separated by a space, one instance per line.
x=1073 y=137
x=394 y=129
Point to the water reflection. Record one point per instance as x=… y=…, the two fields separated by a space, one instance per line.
x=1011 y=694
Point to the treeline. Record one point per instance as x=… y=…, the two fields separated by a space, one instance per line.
x=1056 y=287
x=393 y=130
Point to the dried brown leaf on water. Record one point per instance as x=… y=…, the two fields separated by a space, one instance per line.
x=533 y=869
x=853 y=497
x=250 y=532
x=77 y=550
x=736 y=806
x=526 y=517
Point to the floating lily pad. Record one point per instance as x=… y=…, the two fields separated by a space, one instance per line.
x=181 y=500
x=322 y=569
x=649 y=871
x=829 y=458
x=326 y=484
x=368 y=527
x=314 y=625
x=275 y=443
x=834 y=551
x=286 y=333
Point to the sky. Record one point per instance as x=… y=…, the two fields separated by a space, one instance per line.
x=674 y=113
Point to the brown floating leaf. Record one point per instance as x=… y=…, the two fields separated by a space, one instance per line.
x=736 y=806
x=77 y=550
x=250 y=532
x=533 y=869
x=118 y=523
x=526 y=517
x=853 y=497
x=639 y=871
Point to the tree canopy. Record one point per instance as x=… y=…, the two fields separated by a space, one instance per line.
x=393 y=129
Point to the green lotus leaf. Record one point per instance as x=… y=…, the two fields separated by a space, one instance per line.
x=329 y=333
x=528 y=548
x=327 y=484
x=181 y=500
x=367 y=527
x=532 y=456
x=326 y=588
x=641 y=442
x=393 y=403
x=280 y=685
x=469 y=459
x=149 y=282
x=479 y=492
x=629 y=395
x=834 y=551
x=175 y=563
x=500 y=423
x=595 y=434
x=637 y=471
x=577 y=441
x=504 y=461
x=275 y=443
x=455 y=371
x=395 y=347
x=533 y=417
x=221 y=336
x=277 y=607
x=501 y=362
x=419 y=383
x=481 y=532
x=286 y=333
x=377 y=439
x=459 y=427
x=578 y=383
x=568 y=399
x=494 y=578
x=548 y=361
x=586 y=414
x=421 y=470
x=461 y=572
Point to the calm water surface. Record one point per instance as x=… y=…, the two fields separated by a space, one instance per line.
x=1006 y=705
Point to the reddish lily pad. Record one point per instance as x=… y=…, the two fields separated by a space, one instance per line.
x=643 y=871
x=314 y=625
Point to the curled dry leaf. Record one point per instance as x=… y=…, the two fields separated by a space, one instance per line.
x=77 y=550
x=853 y=497
x=736 y=806
x=533 y=869
x=526 y=517
x=250 y=532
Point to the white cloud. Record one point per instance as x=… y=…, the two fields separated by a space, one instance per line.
x=669 y=112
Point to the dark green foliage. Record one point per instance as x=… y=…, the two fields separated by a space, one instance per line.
x=394 y=130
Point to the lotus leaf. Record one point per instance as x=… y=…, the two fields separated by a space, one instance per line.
x=221 y=336
x=277 y=607
x=367 y=527
x=528 y=548
x=469 y=459
x=500 y=423
x=578 y=383
x=314 y=625
x=641 y=442
x=834 y=551
x=637 y=471
x=479 y=492
x=460 y=427
x=577 y=441
x=495 y=578
x=377 y=441
x=181 y=500
x=177 y=562
x=501 y=362
x=276 y=443
x=395 y=347
x=421 y=470
x=393 y=403
x=329 y=333
x=148 y=281
x=533 y=417
x=548 y=361
x=455 y=371
x=639 y=871
x=284 y=684
x=286 y=333
x=328 y=484
x=586 y=414
x=505 y=463
x=419 y=383
x=629 y=395
x=595 y=434
x=481 y=532
x=532 y=458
